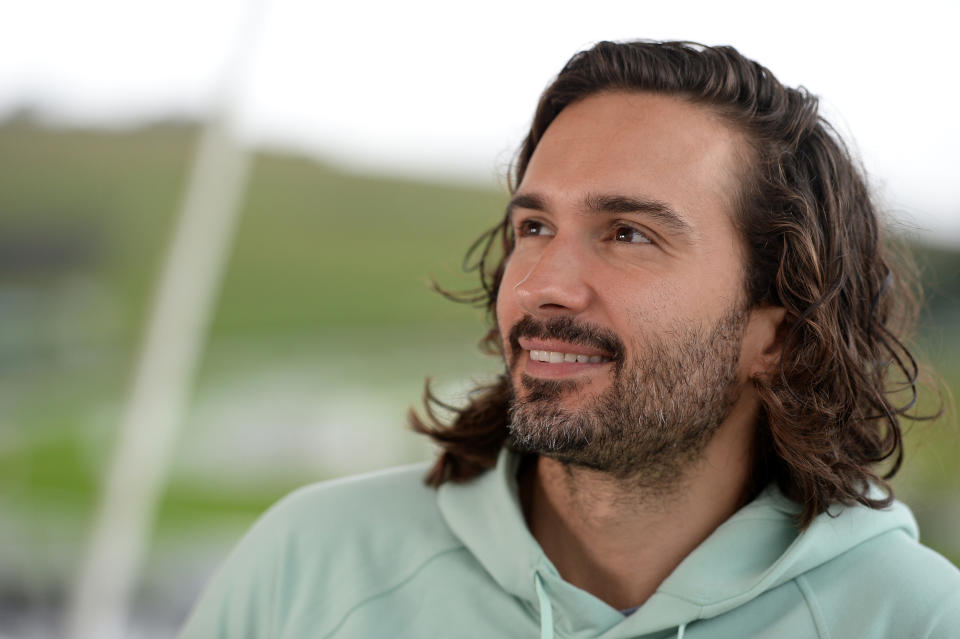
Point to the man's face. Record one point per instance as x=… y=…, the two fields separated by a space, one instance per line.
x=627 y=263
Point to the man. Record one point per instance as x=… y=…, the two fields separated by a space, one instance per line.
x=700 y=324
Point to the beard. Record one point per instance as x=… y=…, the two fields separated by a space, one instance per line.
x=664 y=404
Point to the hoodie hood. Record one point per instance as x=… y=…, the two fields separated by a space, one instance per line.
x=755 y=550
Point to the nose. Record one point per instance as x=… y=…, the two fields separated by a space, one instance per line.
x=555 y=283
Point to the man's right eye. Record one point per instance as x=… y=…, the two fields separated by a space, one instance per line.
x=528 y=228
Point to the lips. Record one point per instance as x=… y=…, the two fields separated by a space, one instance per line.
x=559 y=352
x=564 y=340
x=555 y=357
x=561 y=347
x=558 y=365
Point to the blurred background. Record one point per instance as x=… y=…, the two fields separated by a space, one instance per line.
x=219 y=222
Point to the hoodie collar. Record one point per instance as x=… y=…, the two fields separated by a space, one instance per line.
x=486 y=515
x=755 y=550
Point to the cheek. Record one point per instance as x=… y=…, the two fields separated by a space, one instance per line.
x=506 y=308
x=504 y=312
x=637 y=303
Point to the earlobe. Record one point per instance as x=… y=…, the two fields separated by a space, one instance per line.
x=765 y=333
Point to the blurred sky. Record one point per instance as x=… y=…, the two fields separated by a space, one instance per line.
x=446 y=89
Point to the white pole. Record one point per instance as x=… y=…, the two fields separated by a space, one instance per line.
x=175 y=335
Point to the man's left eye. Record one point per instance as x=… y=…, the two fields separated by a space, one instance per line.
x=631 y=235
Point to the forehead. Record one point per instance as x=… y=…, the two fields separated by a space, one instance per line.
x=653 y=146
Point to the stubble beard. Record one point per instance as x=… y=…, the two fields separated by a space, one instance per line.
x=663 y=406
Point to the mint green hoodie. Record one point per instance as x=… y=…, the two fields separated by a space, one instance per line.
x=383 y=555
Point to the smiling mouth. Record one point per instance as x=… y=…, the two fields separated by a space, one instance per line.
x=557 y=357
x=561 y=348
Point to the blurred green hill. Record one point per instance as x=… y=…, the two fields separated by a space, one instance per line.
x=330 y=270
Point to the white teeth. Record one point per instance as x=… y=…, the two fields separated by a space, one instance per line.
x=556 y=357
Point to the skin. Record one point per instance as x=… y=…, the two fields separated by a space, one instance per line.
x=637 y=273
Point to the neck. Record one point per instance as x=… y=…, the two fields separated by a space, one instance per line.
x=619 y=539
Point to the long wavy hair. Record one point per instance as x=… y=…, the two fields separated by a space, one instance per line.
x=831 y=415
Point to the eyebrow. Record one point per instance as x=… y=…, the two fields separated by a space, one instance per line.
x=612 y=204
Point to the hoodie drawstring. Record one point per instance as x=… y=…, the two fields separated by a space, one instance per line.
x=680 y=630
x=546 y=611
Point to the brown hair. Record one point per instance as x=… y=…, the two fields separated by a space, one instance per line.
x=815 y=247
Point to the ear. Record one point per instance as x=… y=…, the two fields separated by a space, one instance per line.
x=763 y=341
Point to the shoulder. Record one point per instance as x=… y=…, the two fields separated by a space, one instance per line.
x=891 y=583
x=331 y=544
x=896 y=565
x=385 y=523
x=396 y=498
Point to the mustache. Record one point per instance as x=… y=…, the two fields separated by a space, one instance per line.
x=568 y=330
